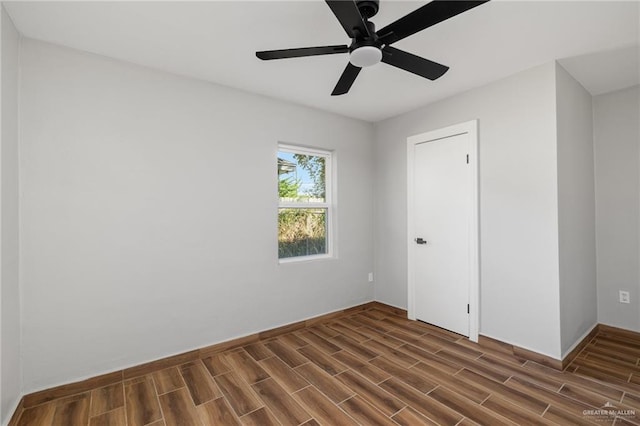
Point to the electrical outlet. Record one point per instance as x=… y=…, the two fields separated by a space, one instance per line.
x=624 y=297
x=370 y=277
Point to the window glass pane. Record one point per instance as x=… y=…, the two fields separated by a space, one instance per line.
x=302 y=232
x=301 y=178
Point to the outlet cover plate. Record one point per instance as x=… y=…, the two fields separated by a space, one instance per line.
x=624 y=297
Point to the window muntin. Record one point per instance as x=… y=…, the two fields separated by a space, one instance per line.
x=304 y=210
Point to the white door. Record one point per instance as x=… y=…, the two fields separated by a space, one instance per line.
x=443 y=202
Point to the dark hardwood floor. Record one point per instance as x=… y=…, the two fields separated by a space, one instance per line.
x=370 y=368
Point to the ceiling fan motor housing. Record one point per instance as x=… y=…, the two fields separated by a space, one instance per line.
x=366 y=51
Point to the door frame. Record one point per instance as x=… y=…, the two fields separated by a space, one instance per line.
x=470 y=128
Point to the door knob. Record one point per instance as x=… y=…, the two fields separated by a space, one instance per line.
x=420 y=241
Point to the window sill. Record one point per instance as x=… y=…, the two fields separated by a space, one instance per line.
x=299 y=259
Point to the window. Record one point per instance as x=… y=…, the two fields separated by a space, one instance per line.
x=304 y=210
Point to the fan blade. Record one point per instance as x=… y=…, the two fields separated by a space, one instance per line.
x=300 y=52
x=346 y=80
x=424 y=17
x=412 y=63
x=349 y=17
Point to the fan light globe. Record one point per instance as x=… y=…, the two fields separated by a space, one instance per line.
x=365 y=56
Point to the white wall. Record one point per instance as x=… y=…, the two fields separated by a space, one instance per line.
x=518 y=204
x=616 y=122
x=149 y=214
x=10 y=368
x=576 y=211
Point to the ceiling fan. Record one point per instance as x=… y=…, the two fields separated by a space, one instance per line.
x=369 y=47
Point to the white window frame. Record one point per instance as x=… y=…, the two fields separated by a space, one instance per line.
x=328 y=203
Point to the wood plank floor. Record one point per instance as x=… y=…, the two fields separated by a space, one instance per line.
x=368 y=368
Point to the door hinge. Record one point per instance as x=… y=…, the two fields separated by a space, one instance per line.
x=467 y=308
x=467 y=158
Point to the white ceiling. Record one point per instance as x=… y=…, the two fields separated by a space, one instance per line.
x=216 y=41
x=607 y=70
